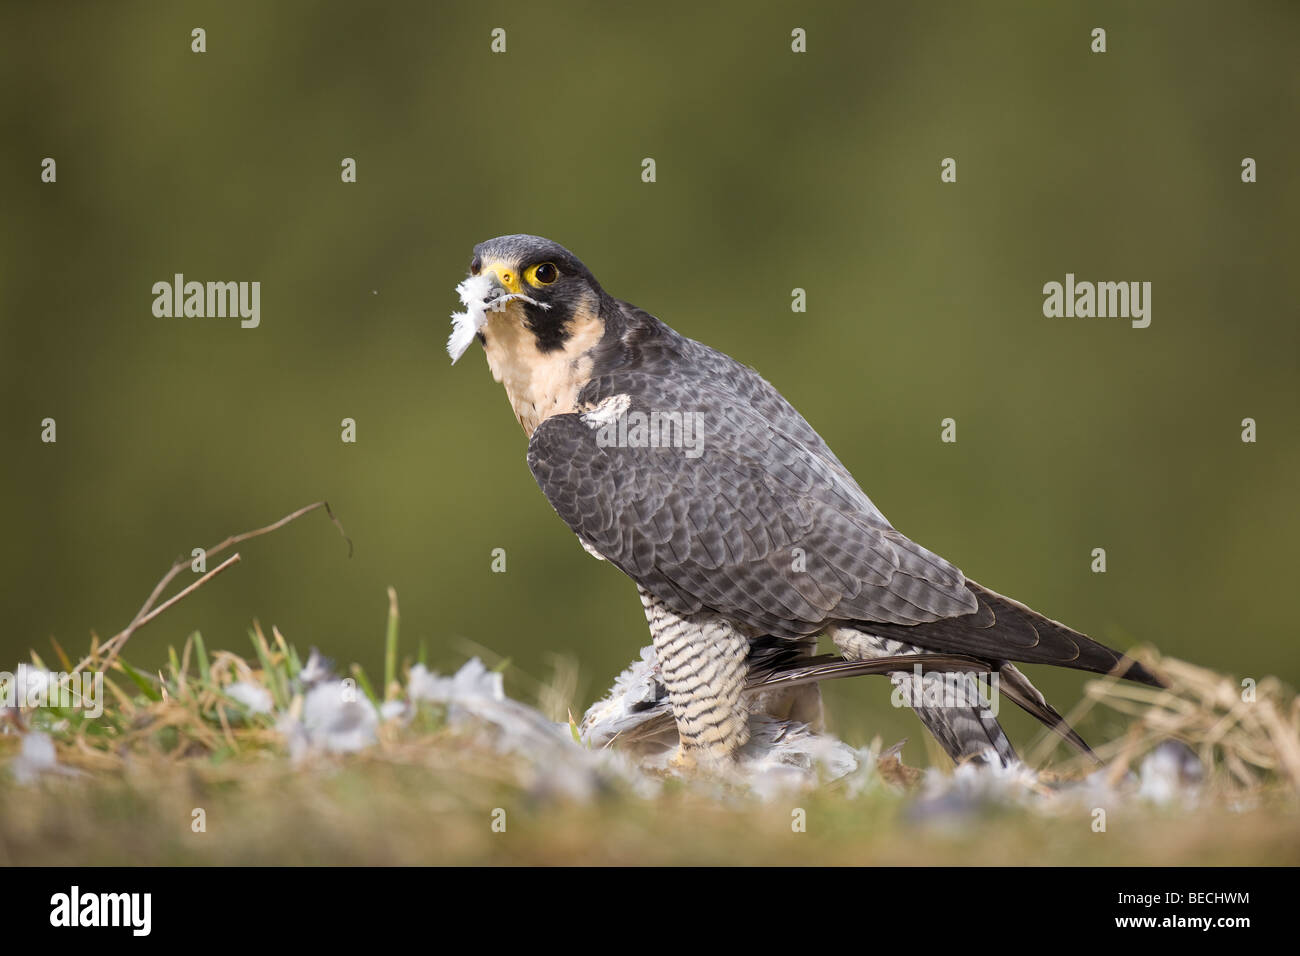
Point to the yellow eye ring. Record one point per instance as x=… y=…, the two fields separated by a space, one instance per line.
x=544 y=273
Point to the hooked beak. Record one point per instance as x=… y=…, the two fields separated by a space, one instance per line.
x=505 y=279
x=491 y=290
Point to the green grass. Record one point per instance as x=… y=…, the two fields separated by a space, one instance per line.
x=173 y=741
x=432 y=803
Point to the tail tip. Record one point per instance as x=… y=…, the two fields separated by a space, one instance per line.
x=1130 y=669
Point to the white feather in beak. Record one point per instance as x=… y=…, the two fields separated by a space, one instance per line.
x=475 y=293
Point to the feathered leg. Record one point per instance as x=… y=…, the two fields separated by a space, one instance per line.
x=965 y=731
x=703 y=660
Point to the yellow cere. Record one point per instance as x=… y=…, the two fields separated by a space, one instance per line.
x=508 y=276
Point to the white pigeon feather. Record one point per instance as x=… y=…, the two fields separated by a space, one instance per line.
x=476 y=295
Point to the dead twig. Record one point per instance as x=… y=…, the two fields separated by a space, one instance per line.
x=148 y=612
x=112 y=654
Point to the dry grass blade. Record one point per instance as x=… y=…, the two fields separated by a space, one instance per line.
x=1251 y=730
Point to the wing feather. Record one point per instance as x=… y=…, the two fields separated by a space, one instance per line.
x=721 y=530
x=765 y=525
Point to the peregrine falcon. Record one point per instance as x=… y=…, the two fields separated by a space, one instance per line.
x=747 y=538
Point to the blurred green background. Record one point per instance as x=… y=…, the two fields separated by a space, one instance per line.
x=775 y=170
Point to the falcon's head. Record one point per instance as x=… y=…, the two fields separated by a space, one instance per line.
x=537 y=310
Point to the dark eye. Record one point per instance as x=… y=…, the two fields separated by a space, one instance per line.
x=546 y=273
x=476 y=266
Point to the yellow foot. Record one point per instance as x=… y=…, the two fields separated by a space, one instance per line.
x=684 y=760
x=701 y=760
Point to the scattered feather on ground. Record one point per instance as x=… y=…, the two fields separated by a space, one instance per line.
x=275 y=724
